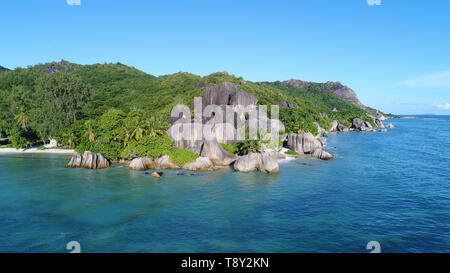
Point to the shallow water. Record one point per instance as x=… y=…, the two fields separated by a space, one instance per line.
x=392 y=188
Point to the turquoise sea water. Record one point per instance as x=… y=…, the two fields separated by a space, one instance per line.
x=393 y=188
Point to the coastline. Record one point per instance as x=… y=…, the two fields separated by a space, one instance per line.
x=35 y=151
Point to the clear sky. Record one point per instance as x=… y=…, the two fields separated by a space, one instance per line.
x=396 y=55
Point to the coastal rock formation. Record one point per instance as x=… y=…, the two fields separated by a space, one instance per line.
x=88 y=160
x=334 y=126
x=269 y=163
x=303 y=143
x=200 y=164
x=321 y=131
x=139 y=164
x=144 y=163
x=342 y=128
x=383 y=131
x=340 y=90
x=367 y=124
x=264 y=162
x=247 y=163
x=212 y=150
x=357 y=124
x=379 y=123
x=390 y=125
x=75 y=161
x=308 y=144
x=322 y=154
x=163 y=162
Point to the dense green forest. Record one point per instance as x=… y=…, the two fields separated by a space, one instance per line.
x=122 y=112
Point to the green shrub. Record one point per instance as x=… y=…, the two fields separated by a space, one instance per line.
x=229 y=148
x=181 y=156
x=291 y=152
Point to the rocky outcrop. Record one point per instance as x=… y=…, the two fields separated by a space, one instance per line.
x=334 y=126
x=342 y=128
x=379 y=123
x=357 y=124
x=88 y=160
x=242 y=98
x=340 y=90
x=263 y=162
x=140 y=164
x=247 y=163
x=286 y=105
x=200 y=164
x=390 y=125
x=144 y=163
x=321 y=131
x=212 y=150
x=383 y=131
x=218 y=94
x=195 y=140
x=303 y=143
x=308 y=144
x=269 y=163
x=322 y=154
x=75 y=161
x=367 y=125
x=163 y=162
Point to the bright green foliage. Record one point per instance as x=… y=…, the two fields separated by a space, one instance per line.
x=181 y=156
x=291 y=152
x=247 y=147
x=229 y=148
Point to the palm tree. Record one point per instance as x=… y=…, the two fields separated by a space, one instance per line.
x=22 y=119
x=137 y=133
x=89 y=132
x=126 y=141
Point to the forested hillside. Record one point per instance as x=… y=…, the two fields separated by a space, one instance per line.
x=121 y=111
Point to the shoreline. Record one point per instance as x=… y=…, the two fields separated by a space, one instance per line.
x=35 y=151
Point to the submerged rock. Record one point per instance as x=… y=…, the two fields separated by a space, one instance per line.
x=200 y=164
x=383 y=131
x=390 y=125
x=157 y=174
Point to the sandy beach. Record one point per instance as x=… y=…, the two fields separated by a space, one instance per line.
x=35 y=151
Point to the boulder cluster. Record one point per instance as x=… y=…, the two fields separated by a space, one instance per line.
x=88 y=160
x=226 y=96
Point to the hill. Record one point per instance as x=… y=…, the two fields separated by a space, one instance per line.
x=3 y=68
x=109 y=107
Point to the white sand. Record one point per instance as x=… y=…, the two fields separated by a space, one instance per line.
x=34 y=151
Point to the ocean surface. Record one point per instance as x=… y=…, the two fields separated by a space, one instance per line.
x=392 y=187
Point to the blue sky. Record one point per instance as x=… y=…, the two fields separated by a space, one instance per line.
x=394 y=55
